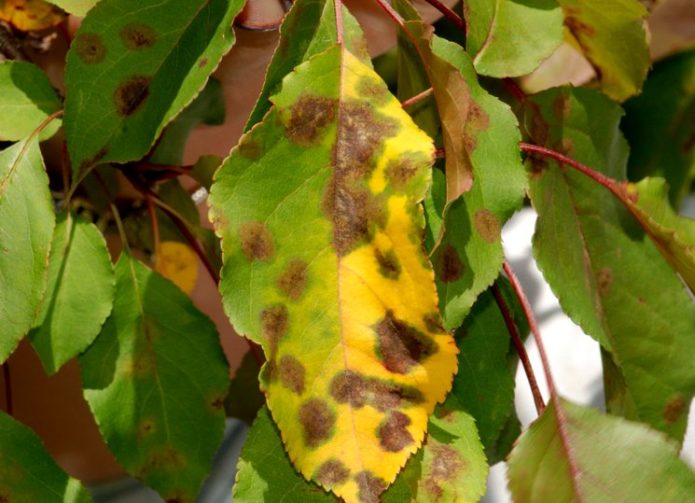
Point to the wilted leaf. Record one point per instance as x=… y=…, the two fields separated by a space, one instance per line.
x=133 y=66
x=178 y=263
x=347 y=315
x=26 y=229
x=600 y=459
x=509 y=38
x=155 y=380
x=76 y=7
x=27 y=471
x=26 y=100
x=79 y=295
x=30 y=15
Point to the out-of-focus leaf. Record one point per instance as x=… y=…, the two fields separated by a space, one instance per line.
x=178 y=263
x=509 y=38
x=574 y=453
x=660 y=126
x=30 y=15
x=79 y=295
x=204 y=170
x=27 y=471
x=672 y=27
x=156 y=379
x=26 y=230
x=245 y=398
x=75 y=7
x=347 y=315
x=26 y=100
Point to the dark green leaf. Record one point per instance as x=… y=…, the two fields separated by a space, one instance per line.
x=245 y=398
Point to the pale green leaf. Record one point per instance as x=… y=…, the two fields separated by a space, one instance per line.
x=75 y=7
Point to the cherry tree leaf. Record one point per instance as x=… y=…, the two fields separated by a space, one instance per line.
x=75 y=7
x=30 y=15
x=347 y=315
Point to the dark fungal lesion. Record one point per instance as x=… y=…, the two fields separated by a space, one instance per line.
x=292 y=282
x=488 y=225
x=131 y=94
x=393 y=433
x=388 y=264
x=90 y=48
x=332 y=473
x=256 y=241
x=369 y=487
x=317 y=420
x=358 y=390
x=291 y=373
x=400 y=345
x=309 y=117
x=450 y=266
x=136 y=36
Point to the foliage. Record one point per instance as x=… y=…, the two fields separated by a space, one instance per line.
x=357 y=242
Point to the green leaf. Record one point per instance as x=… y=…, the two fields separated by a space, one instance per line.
x=75 y=7
x=510 y=38
x=26 y=99
x=614 y=460
x=204 y=170
x=659 y=127
x=26 y=229
x=133 y=66
x=27 y=471
x=155 y=380
x=610 y=278
x=245 y=398
x=79 y=296
x=611 y=35
x=308 y=29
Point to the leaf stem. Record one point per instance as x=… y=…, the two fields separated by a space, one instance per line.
x=520 y=348
x=8 y=388
x=449 y=14
x=155 y=227
x=417 y=98
x=514 y=89
x=391 y=12
x=338 y=21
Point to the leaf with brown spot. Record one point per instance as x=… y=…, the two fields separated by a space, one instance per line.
x=340 y=304
x=31 y=15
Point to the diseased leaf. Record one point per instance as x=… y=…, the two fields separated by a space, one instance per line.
x=133 y=66
x=155 y=380
x=308 y=29
x=27 y=471
x=660 y=126
x=26 y=229
x=612 y=37
x=178 y=263
x=26 y=100
x=510 y=38
x=610 y=278
x=79 y=295
x=30 y=15
x=347 y=316
x=75 y=7
x=614 y=459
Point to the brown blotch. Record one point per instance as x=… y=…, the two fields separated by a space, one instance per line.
x=349 y=387
x=446 y=465
x=370 y=88
x=274 y=322
x=291 y=374
x=256 y=241
x=369 y=487
x=433 y=323
x=292 y=281
x=136 y=36
x=487 y=225
x=389 y=265
x=575 y=25
x=604 y=280
x=674 y=409
x=250 y=148
x=450 y=265
x=202 y=63
x=145 y=429
x=332 y=473
x=355 y=212
x=131 y=94
x=562 y=106
x=358 y=390
x=399 y=172
x=317 y=420
x=477 y=121
x=308 y=117
x=167 y=459
x=90 y=48
x=400 y=345
x=393 y=433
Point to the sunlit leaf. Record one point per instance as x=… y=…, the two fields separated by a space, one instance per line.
x=574 y=453
x=76 y=7
x=79 y=295
x=155 y=380
x=26 y=100
x=30 y=15
x=27 y=471
x=26 y=229
x=178 y=263
x=347 y=315
x=133 y=66
x=609 y=276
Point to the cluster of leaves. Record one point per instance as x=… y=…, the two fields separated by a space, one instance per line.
x=366 y=266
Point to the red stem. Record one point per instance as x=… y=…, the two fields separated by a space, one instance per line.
x=514 y=89
x=8 y=388
x=417 y=98
x=520 y=348
x=449 y=14
x=339 y=21
x=155 y=226
x=391 y=12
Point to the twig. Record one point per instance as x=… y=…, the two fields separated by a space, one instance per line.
x=8 y=388
x=520 y=348
x=155 y=226
x=417 y=98
x=338 y=21
x=391 y=12
x=449 y=14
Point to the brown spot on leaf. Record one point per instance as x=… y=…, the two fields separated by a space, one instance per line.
x=477 y=121
x=393 y=433
x=355 y=212
x=90 y=48
x=576 y=26
x=349 y=387
x=400 y=345
x=446 y=465
x=203 y=63
x=292 y=281
x=450 y=265
x=165 y=459
x=131 y=94
x=136 y=36
x=562 y=106
x=604 y=280
x=292 y=373
x=249 y=148
x=674 y=409
x=332 y=473
x=358 y=390
x=317 y=420
x=433 y=323
x=256 y=241
x=369 y=486
x=487 y=225
x=308 y=117
x=146 y=427
x=400 y=171
x=389 y=265
x=274 y=322
x=374 y=89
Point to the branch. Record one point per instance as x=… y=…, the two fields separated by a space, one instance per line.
x=414 y=100
x=8 y=388
x=449 y=14
x=338 y=4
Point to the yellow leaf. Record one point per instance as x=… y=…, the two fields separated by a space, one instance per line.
x=30 y=15
x=178 y=263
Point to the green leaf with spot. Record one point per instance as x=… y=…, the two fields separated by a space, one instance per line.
x=26 y=100
x=26 y=229
x=133 y=66
x=75 y=7
x=308 y=29
x=27 y=471
x=603 y=459
x=155 y=380
x=609 y=276
x=510 y=38
x=79 y=295
x=611 y=35
x=659 y=124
